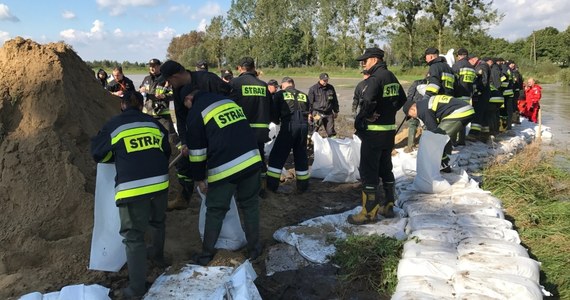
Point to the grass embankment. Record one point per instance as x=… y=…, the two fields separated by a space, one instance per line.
x=535 y=190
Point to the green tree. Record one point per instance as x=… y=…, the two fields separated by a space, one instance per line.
x=214 y=40
x=440 y=12
x=404 y=21
x=548 y=44
x=471 y=16
x=179 y=45
x=325 y=43
x=367 y=23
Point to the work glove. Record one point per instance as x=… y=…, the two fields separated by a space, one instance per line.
x=360 y=123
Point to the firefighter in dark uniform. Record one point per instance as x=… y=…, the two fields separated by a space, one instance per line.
x=413 y=123
x=440 y=81
x=223 y=150
x=375 y=125
x=252 y=95
x=497 y=99
x=481 y=95
x=464 y=79
x=506 y=111
x=185 y=81
x=518 y=89
x=120 y=83
x=141 y=189
x=441 y=114
x=358 y=91
x=325 y=107
x=293 y=114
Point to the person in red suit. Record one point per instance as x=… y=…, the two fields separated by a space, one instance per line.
x=533 y=93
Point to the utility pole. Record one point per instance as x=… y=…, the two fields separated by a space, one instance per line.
x=534 y=46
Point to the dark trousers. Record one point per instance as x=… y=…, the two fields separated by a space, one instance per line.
x=135 y=218
x=493 y=117
x=413 y=124
x=375 y=160
x=451 y=128
x=246 y=190
x=291 y=136
x=480 y=120
x=326 y=120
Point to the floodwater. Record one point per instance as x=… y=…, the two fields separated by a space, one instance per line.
x=555 y=103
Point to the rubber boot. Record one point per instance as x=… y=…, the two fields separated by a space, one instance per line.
x=262 y=190
x=136 y=262
x=387 y=207
x=271 y=183
x=369 y=210
x=182 y=200
x=156 y=251
x=208 y=247
x=302 y=185
x=254 y=248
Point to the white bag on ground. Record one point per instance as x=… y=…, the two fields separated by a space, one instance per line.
x=107 y=248
x=520 y=266
x=323 y=161
x=345 y=159
x=231 y=236
x=273 y=132
x=428 y=179
x=435 y=287
x=495 y=286
x=73 y=292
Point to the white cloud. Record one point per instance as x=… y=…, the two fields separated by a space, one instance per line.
x=6 y=15
x=4 y=36
x=522 y=17
x=181 y=9
x=202 y=25
x=96 y=32
x=68 y=14
x=166 y=34
x=118 y=33
x=209 y=10
x=118 y=7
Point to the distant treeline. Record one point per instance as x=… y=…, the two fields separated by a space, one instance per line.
x=297 y=33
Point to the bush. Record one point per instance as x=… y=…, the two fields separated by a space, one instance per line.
x=564 y=76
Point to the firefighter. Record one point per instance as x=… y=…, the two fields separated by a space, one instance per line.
x=464 y=79
x=440 y=78
x=413 y=123
x=141 y=189
x=533 y=93
x=185 y=81
x=518 y=89
x=293 y=114
x=120 y=83
x=223 y=150
x=360 y=87
x=252 y=95
x=481 y=95
x=375 y=125
x=441 y=114
x=506 y=110
x=325 y=107
x=227 y=75
x=497 y=99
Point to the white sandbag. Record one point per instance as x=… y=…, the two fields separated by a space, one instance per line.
x=514 y=265
x=415 y=266
x=323 y=160
x=486 y=210
x=415 y=295
x=107 y=248
x=231 y=236
x=433 y=221
x=428 y=178
x=438 y=234
x=273 y=132
x=435 y=287
x=345 y=160
x=492 y=233
x=483 y=221
x=430 y=249
x=490 y=247
x=496 y=286
x=73 y=292
x=417 y=208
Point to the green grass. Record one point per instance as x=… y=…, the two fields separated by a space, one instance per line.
x=370 y=261
x=535 y=190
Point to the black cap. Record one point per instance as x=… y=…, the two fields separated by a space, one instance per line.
x=499 y=59
x=487 y=58
x=470 y=56
x=287 y=79
x=462 y=51
x=202 y=65
x=169 y=68
x=324 y=76
x=273 y=82
x=226 y=73
x=510 y=62
x=247 y=62
x=153 y=61
x=431 y=50
x=371 y=52
x=407 y=105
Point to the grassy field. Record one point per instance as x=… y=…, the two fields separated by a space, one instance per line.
x=535 y=190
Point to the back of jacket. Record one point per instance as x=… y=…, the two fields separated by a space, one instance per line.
x=139 y=147
x=252 y=95
x=438 y=108
x=441 y=80
x=221 y=143
x=465 y=79
x=291 y=100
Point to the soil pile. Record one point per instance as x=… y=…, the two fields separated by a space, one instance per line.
x=50 y=106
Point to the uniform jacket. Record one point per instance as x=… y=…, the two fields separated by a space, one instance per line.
x=465 y=78
x=153 y=88
x=482 y=89
x=438 y=108
x=254 y=98
x=506 y=81
x=286 y=104
x=440 y=78
x=124 y=85
x=203 y=81
x=222 y=145
x=358 y=91
x=384 y=96
x=323 y=98
x=139 y=147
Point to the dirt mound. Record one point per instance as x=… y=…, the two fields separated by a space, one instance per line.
x=50 y=106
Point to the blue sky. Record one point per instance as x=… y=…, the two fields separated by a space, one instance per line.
x=137 y=30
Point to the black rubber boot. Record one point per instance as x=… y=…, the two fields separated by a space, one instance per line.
x=369 y=210
x=387 y=207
